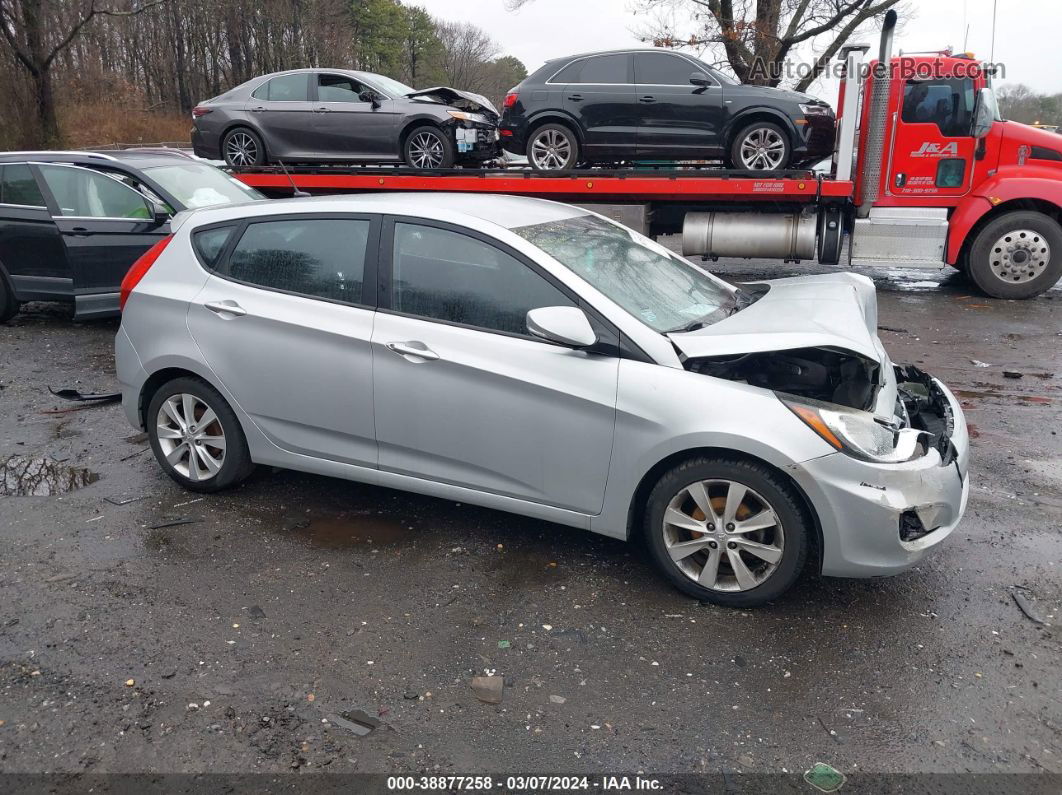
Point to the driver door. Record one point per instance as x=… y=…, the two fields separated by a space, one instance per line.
x=105 y=226
x=347 y=126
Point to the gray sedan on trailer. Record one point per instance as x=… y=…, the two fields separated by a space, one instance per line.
x=538 y=358
x=336 y=115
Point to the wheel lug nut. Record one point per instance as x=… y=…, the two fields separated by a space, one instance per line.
x=711 y=527
x=712 y=545
x=731 y=545
x=730 y=527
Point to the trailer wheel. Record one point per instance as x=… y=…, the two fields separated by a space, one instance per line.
x=762 y=146
x=1018 y=255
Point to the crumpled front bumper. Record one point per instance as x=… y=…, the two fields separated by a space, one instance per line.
x=860 y=505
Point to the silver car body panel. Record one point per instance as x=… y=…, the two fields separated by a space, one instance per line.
x=518 y=424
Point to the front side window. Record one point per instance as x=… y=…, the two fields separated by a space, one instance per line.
x=452 y=277
x=658 y=287
x=286 y=88
x=600 y=69
x=947 y=103
x=661 y=69
x=338 y=88
x=17 y=186
x=316 y=257
x=89 y=194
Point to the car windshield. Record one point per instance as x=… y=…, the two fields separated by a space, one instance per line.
x=661 y=289
x=392 y=88
x=201 y=185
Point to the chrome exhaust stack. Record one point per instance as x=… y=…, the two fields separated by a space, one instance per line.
x=879 y=86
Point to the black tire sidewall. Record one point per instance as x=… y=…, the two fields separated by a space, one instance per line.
x=237 y=465
x=260 y=160
x=573 y=159
x=757 y=477
x=8 y=304
x=735 y=145
x=449 y=150
x=979 y=267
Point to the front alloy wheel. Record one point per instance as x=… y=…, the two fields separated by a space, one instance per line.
x=761 y=147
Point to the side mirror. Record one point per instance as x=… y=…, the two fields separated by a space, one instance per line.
x=370 y=97
x=700 y=79
x=566 y=325
x=984 y=113
x=159 y=213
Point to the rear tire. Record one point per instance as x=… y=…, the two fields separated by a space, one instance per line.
x=761 y=146
x=746 y=550
x=243 y=147
x=428 y=147
x=1018 y=255
x=552 y=147
x=202 y=453
x=8 y=305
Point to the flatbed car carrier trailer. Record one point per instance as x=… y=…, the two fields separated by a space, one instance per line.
x=925 y=174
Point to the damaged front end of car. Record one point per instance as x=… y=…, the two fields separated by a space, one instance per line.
x=474 y=121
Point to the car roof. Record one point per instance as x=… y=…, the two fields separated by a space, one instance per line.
x=464 y=208
x=136 y=158
x=626 y=51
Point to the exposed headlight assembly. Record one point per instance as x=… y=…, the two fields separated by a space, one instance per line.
x=464 y=116
x=815 y=110
x=856 y=433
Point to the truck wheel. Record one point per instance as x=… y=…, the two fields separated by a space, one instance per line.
x=1018 y=255
x=8 y=305
x=428 y=147
x=762 y=146
x=727 y=531
x=552 y=147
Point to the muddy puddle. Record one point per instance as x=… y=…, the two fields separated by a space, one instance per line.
x=38 y=476
x=338 y=532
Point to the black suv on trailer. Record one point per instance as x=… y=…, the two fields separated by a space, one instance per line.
x=72 y=223
x=659 y=104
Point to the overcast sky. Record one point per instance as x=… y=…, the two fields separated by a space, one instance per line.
x=1027 y=31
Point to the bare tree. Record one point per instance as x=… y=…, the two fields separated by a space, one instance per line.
x=465 y=49
x=37 y=34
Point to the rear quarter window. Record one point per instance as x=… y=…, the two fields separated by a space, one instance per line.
x=210 y=243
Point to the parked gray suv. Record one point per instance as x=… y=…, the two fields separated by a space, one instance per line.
x=333 y=115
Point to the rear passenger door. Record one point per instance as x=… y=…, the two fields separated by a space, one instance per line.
x=599 y=93
x=105 y=226
x=465 y=395
x=31 y=249
x=285 y=115
x=284 y=321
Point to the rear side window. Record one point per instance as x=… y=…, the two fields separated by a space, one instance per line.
x=316 y=257
x=88 y=194
x=210 y=243
x=286 y=88
x=661 y=69
x=449 y=276
x=17 y=186
x=600 y=69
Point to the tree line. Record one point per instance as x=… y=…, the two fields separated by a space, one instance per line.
x=111 y=64
x=1018 y=102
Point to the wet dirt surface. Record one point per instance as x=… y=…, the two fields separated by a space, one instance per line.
x=143 y=627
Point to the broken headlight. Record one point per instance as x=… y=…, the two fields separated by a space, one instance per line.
x=461 y=115
x=858 y=433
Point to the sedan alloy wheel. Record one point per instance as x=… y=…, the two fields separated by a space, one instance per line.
x=241 y=149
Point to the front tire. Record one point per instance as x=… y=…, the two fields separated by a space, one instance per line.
x=1018 y=255
x=761 y=146
x=243 y=147
x=196 y=436
x=727 y=531
x=552 y=147
x=428 y=147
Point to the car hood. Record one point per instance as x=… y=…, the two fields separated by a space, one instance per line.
x=828 y=311
x=768 y=93
x=462 y=100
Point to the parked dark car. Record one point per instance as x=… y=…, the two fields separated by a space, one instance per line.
x=72 y=223
x=332 y=115
x=659 y=105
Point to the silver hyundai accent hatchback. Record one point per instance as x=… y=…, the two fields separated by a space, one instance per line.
x=538 y=358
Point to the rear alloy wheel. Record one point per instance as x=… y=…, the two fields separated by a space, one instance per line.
x=727 y=532
x=428 y=147
x=553 y=147
x=242 y=147
x=761 y=146
x=1018 y=255
x=196 y=437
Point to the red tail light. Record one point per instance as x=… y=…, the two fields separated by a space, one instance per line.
x=140 y=269
x=510 y=99
x=200 y=111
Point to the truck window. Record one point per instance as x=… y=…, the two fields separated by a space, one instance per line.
x=947 y=103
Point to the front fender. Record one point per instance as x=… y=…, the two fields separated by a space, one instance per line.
x=745 y=115
x=1010 y=183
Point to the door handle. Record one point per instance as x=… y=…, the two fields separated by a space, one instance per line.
x=226 y=308
x=647 y=98
x=575 y=97
x=414 y=348
x=322 y=110
x=257 y=110
x=80 y=231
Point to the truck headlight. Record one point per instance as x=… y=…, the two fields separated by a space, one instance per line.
x=855 y=433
